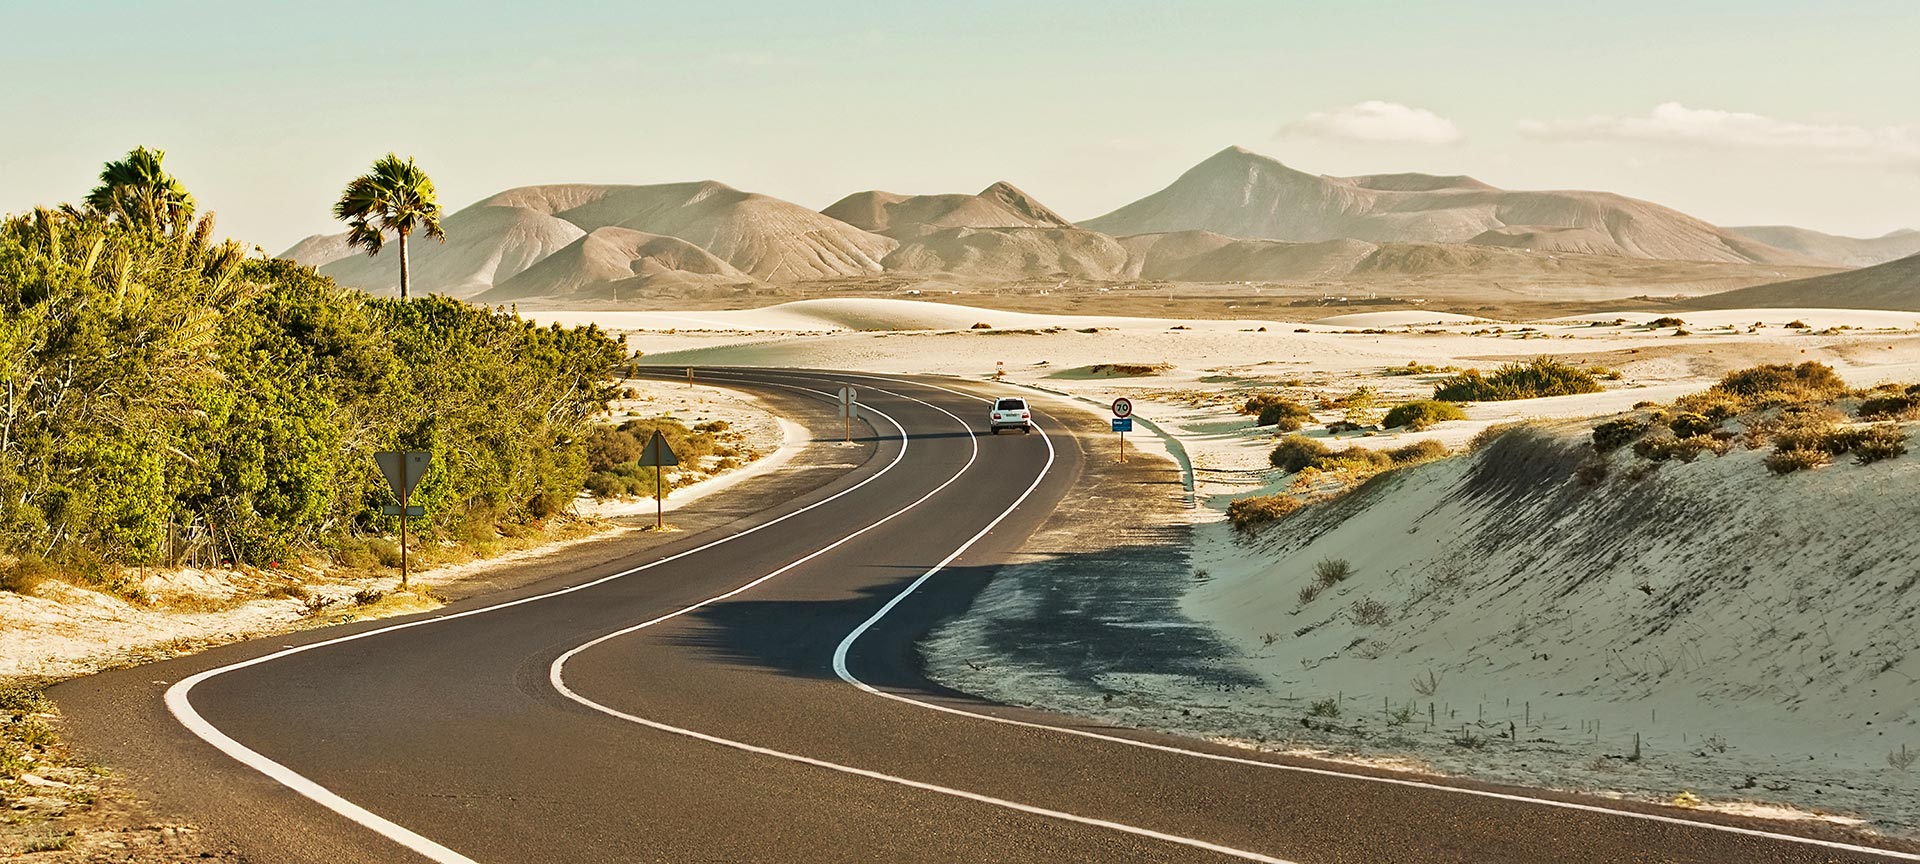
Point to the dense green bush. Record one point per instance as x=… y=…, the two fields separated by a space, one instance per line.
x=1422 y=414
x=613 y=454
x=161 y=398
x=1541 y=376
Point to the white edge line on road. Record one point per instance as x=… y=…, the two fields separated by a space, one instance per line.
x=846 y=645
x=181 y=706
x=555 y=672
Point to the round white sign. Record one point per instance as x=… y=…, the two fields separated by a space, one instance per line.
x=1123 y=408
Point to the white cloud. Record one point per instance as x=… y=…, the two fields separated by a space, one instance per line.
x=1675 y=124
x=1376 y=121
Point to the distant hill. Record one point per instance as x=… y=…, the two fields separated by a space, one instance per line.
x=1832 y=248
x=1892 y=285
x=617 y=264
x=484 y=245
x=1238 y=193
x=1011 y=254
x=497 y=238
x=902 y=216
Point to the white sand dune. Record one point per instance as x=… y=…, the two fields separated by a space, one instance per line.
x=853 y=314
x=1849 y=251
x=1405 y=318
x=1242 y=194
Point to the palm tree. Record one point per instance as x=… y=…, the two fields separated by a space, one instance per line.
x=139 y=191
x=395 y=196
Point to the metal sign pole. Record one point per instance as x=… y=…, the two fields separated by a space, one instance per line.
x=659 y=508
x=403 y=539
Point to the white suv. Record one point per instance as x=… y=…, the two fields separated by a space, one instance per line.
x=1010 y=414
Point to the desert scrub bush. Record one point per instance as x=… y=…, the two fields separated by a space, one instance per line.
x=1541 y=376
x=1493 y=433
x=1418 y=452
x=613 y=455
x=1422 y=414
x=1689 y=424
x=1368 y=612
x=1126 y=370
x=1668 y=321
x=1789 y=461
x=1249 y=514
x=1295 y=452
x=1778 y=384
x=1309 y=591
x=23 y=574
x=1332 y=571
x=1891 y=404
x=1414 y=367
x=1614 y=434
x=1360 y=406
x=1660 y=448
x=1881 y=441
x=1328 y=707
x=1272 y=409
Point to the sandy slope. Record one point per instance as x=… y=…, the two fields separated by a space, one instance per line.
x=1242 y=194
x=1893 y=285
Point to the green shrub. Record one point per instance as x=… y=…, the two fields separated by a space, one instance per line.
x=1614 y=434
x=1295 y=452
x=1422 y=414
x=1277 y=411
x=1542 y=376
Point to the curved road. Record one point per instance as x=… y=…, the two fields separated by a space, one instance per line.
x=749 y=692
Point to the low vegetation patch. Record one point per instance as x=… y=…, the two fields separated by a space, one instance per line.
x=614 y=452
x=1127 y=370
x=1539 y=377
x=1422 y=414
x=1248 y=515
x=1272 y=409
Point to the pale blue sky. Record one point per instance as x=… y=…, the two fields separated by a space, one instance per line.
x=267 y=109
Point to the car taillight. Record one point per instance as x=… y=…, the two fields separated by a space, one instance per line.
x=1025 y=416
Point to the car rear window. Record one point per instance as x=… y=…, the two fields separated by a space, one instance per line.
x=1011 y=405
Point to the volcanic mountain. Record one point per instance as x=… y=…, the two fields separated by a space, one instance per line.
x=1835 y=249
x=1242 y=194
x=998 y=206
x=617 y=264
x=497 y=238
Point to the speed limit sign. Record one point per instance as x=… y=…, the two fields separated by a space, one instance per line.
x=1123 y=408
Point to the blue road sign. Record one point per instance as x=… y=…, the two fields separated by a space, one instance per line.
x=1123 y=424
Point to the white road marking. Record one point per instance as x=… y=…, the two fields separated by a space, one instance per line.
x=181 y=706
x=555 y=673
x=840 y=669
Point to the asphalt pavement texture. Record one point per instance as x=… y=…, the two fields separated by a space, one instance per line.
x=725 y=734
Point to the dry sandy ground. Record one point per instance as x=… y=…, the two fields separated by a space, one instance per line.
x=1747 y=628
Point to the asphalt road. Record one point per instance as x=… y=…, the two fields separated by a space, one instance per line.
x=685 y=704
